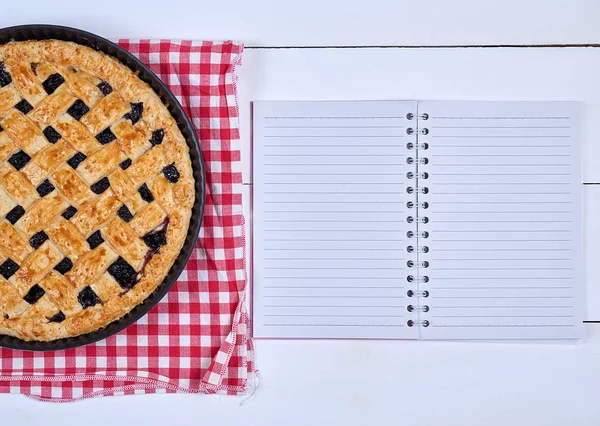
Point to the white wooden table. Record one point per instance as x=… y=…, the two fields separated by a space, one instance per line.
x=364 y=382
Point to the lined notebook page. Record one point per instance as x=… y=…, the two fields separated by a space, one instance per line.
x=504 y=209
x=329 y=219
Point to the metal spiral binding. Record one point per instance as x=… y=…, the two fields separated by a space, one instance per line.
x=411 y=116
x=419 y=218
x=422 y=323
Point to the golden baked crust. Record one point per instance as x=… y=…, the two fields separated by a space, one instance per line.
x=96 y=190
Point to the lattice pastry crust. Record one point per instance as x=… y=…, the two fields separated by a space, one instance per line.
x=96 y=190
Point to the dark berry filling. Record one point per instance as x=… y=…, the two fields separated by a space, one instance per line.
x=124 y=273
x=5 y=78
x=157 y=238
x=124 y=213
x=78 y=109
x=125 y=164
x=100 y=186
x=106 y=136
x=52 y=83
x=137 y=109
x=57 y=317
x=15 y=214
x=95 y=239
x=8 y=268
x=157 y=137
x=34 y=294
x=38 y=239
x=64 y=266
x=105 y=88
x=45 y=188
x=171 y=173
x=77 y=159
x=51 y=134
x=69 y=212
x=24 y=106
x=145 y=193
x=88 y=298
x=19 y=159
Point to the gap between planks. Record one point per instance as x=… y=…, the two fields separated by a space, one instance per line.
x=436 y=46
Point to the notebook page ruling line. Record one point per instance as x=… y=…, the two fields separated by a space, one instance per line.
x=505 y=220
x=329 y=219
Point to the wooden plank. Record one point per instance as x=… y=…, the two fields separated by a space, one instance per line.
x=351 y=383
x=334 y=22
x=431 y=74
x=591 y=251
x=469 y=74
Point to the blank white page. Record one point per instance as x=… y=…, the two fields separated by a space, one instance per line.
x=329 y=219
x=505 y=220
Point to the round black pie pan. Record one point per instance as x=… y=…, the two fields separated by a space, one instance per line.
x=45 y=32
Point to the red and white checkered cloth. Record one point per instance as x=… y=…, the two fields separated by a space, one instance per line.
x=196 y=339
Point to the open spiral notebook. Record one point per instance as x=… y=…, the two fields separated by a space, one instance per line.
x=407 y=220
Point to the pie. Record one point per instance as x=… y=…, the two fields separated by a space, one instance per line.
x=96 y=190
